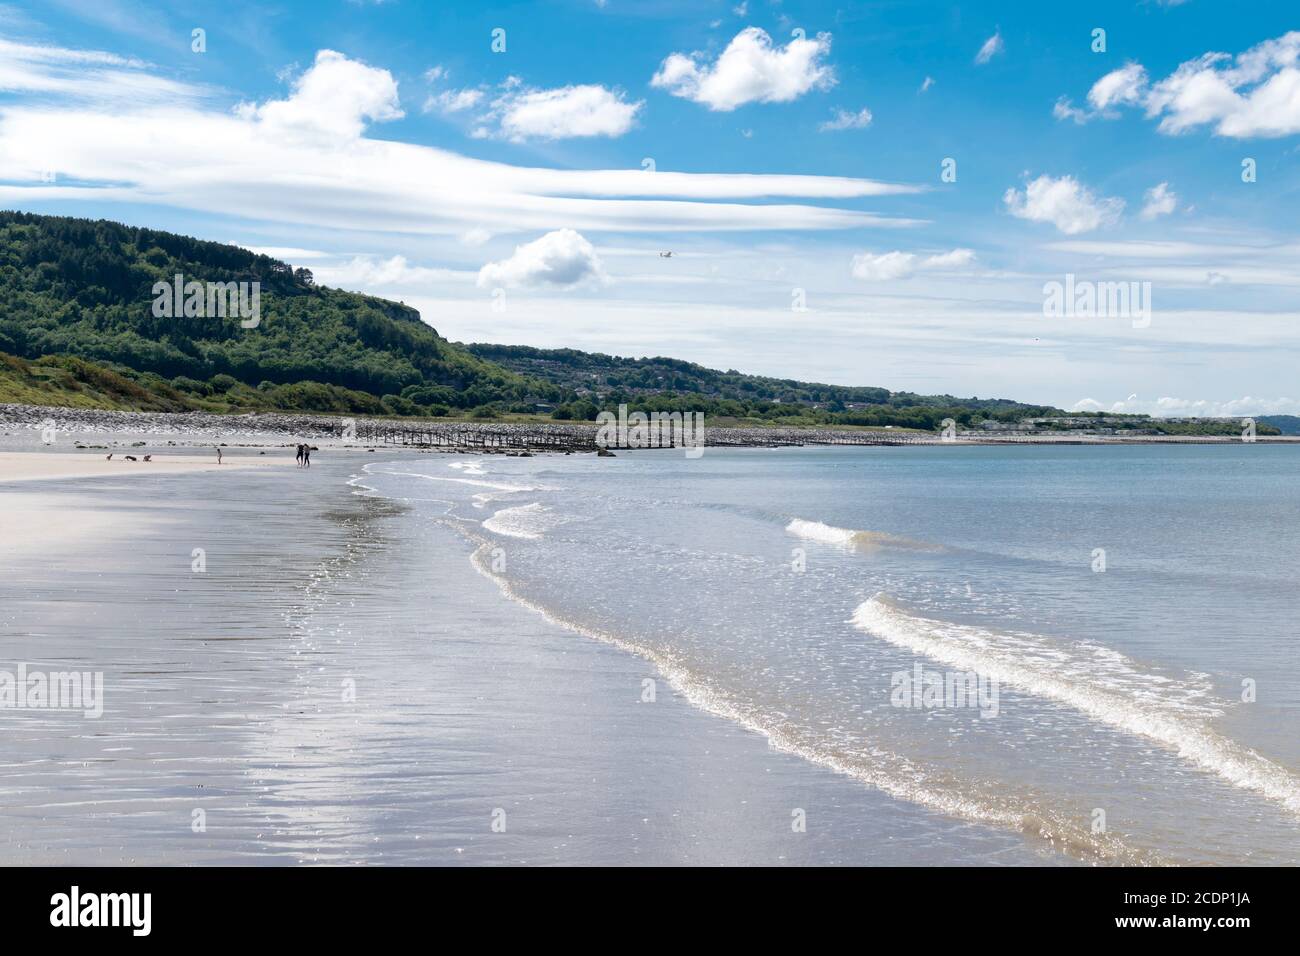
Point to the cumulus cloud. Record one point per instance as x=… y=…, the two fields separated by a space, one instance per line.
x=902 y=265
x=844 y=119
x=1123 y=87
x=1158 y=201
x=334 y=98
x=1254 y=94
x=750 y=70
x=1065 y=203
x=991 y=48
x=560 y=259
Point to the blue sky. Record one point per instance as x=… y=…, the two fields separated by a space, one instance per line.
x=390 y=149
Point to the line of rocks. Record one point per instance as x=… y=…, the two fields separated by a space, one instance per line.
x=189 y=424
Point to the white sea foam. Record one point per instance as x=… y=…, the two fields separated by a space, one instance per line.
x=1094 y=680
x=526 y=521
x=478 y=482
x=886 y=771
x=852 y=538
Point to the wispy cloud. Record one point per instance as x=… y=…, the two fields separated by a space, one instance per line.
x=844 y=119
x=991 y=48
x=306 y=158
x=903 y=265
x=87 y=75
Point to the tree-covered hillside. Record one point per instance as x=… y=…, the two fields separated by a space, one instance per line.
x=604 y=379
x=84 y=288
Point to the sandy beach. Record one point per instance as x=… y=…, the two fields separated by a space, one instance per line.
x=37 y=466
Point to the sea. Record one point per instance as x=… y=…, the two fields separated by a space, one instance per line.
x=1093 y=647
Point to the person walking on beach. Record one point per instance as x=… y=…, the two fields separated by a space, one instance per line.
x=306 y=456
x=218 y=454
x=299 y=459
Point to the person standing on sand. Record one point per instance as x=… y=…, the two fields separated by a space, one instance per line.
x=299 y=458
x=218 y=454
x=306 y=456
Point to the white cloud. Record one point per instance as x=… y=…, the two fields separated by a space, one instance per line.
x=844 y=119
x=991 y=48
x=334 y=98
x=86 y=74
x=474 y=237
x=453 y=101
x=1063 y=202
x=1254 y=94
x=561 y=259
x=563 y=113
x=258 y=163
x=290 y=254
x=1170 y=407
x=902 y=265
x=1064 y=109
x=1122 y=87
x=749 y=70
x=372 y=272
x=1159 y=200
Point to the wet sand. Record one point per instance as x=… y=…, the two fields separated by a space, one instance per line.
x=338 y=685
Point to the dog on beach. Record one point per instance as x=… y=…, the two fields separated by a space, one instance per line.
x=131 y=458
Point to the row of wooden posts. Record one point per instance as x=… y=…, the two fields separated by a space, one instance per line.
x=582 y=438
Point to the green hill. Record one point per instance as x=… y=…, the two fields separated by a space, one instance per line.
x=84 y=288
x=608 y=379
x=77 y=319
x=1285 y=424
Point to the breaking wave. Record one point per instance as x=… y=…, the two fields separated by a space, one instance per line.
x=1094 y=680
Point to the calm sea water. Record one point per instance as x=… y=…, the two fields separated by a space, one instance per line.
x=1129 y=614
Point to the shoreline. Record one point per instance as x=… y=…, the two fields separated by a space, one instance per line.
x=507 y=437
x=465 y=702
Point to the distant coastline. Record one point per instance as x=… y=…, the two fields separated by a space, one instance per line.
x=533 y=437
